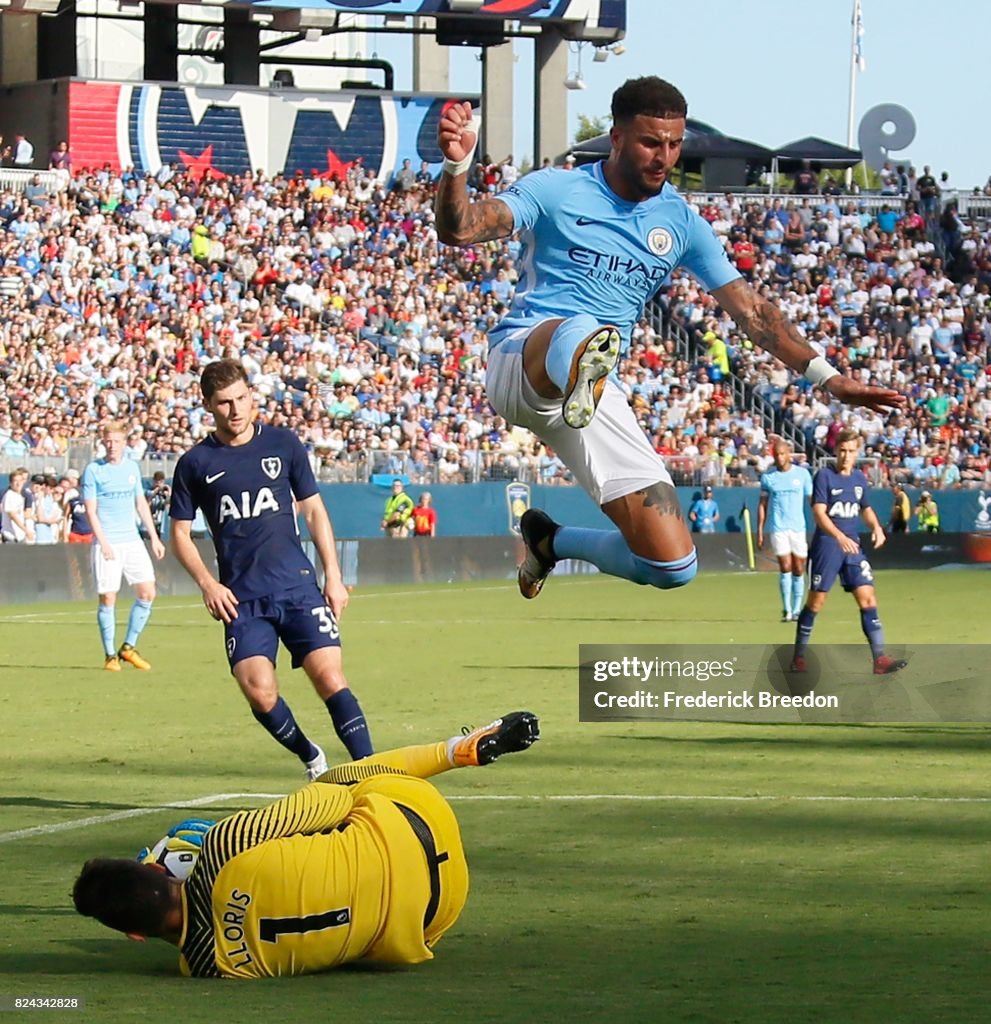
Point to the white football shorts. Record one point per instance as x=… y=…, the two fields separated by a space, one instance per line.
x=790 y=542
x=610 y=458
x=131 y=562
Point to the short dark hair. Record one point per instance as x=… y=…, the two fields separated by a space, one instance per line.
x=649 y=95
x=123 y=894
x=219 y=375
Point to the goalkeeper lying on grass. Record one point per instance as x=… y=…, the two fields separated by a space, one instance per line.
x=366 y=863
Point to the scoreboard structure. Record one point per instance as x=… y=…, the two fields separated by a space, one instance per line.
x=272 y=44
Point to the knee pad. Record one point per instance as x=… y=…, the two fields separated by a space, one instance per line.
x=665 y=575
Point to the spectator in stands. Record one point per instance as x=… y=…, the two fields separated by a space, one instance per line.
x=806 y=182
x=48 y=515
x=23 y=155
x=928 y=189
x=75 y=527
x=14 y=527
x=158 y=497
x=60 y=159
x=16 y=447
x=405 y=178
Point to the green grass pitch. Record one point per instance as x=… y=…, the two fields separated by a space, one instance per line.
x=636 y=872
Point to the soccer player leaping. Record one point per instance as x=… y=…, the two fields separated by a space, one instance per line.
x=598 y=242
x=839 y=500
x=248 y=479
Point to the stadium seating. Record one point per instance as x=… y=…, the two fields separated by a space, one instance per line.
x=365 y=335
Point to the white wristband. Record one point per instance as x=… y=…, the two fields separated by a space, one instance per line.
x=456 y=167
x=819 y=371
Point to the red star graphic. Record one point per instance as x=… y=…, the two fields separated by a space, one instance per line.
x=200 y=166
x=335 y=165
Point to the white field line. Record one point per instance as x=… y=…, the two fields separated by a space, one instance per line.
x=215 y=798
x=45 y=617
x=134 y=812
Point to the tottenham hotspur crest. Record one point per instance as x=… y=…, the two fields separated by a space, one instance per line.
x=859 y=492
x=272 y=467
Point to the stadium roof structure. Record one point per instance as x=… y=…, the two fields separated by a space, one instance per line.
x=819 y=152
x=592 y=20
x=702 y=142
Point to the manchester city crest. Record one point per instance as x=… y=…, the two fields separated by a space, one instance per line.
x=272 y=467
x=660 y=242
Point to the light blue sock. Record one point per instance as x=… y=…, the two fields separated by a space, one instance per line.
x=137 y=620
x=561 y=349
x=106 y=617
x=784 y=585
x=608 y=551
x=797 y=593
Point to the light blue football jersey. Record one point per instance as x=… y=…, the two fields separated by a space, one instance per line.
x=585 y=250
x=116 y=486
x=788 y=493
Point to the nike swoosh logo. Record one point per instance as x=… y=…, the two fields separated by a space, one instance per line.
x=216 y=476
x=835 y=491
x=585 y=221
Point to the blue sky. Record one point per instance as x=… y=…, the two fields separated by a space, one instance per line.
x=777 y=70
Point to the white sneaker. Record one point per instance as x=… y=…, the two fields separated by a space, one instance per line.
x=317 y=766
x=594 y=359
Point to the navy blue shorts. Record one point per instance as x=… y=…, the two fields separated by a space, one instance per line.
x=827 y=560
x=300 y=618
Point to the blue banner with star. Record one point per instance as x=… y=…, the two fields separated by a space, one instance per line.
x=214 y=132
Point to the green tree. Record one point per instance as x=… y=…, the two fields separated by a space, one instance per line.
x=590 y=127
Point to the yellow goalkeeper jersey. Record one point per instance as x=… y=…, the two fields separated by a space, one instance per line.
x=371 y=870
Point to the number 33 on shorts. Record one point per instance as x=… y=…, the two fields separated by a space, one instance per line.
x=326 y=621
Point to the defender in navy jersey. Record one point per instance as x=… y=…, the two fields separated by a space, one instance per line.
x=249 y=480
x=839 y=503
x=598 y=244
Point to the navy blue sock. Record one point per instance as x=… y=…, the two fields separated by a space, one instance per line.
x=281 y=724
x=352 y=729
x=803 y=633
x=870 y=623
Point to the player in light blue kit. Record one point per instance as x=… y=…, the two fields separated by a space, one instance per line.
x=114 y=498
x=598 y=242
x=784 y=491
x=839 y=501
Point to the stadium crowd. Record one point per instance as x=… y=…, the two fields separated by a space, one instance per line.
x=365 y=335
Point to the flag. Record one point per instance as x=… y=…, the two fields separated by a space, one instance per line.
x=858 y=35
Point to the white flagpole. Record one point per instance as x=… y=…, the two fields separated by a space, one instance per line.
x=856 y=30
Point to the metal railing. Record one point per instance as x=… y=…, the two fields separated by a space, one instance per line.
x=745 y=396
x=968 y=204
x=16 y=179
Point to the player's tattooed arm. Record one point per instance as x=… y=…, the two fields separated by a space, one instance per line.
x=462 y=222
x=765 y=324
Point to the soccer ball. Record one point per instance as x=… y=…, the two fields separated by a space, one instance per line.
x=179 y=849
